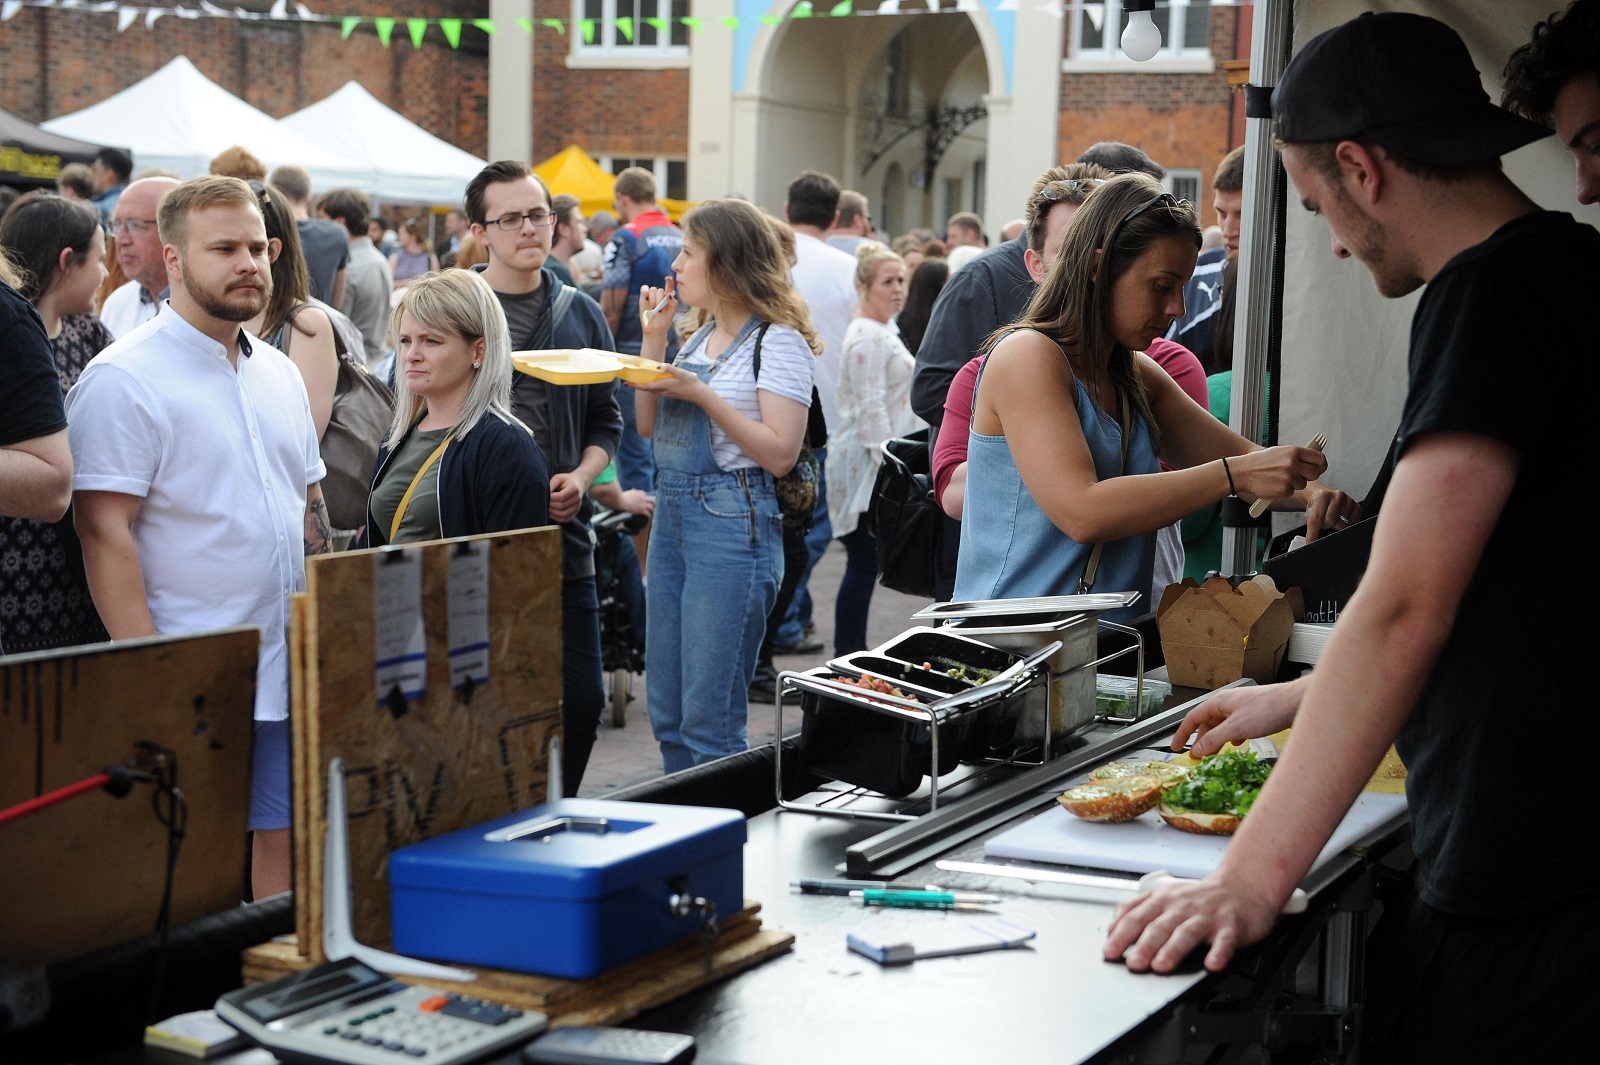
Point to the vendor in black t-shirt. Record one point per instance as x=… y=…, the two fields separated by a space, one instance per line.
x=1490 y=957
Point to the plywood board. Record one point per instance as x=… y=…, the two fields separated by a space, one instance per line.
x=610 y=998
x=438 y=763
x=89 y=873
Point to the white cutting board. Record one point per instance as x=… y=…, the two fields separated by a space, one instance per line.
x=1148 y=843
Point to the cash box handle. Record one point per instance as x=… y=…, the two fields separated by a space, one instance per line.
x=554 y=826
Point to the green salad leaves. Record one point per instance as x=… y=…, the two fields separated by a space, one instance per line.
x=1225 y=783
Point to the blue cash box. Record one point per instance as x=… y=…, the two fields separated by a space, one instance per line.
x=569 y=889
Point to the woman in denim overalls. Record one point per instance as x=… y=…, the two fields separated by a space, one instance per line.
x=720 y=438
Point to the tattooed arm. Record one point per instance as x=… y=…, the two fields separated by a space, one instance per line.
x=319 y=530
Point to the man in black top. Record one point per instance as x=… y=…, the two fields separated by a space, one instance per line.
x=577 y=426
x=1489 y=959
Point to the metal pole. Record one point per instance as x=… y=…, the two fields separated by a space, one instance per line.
x=1271 y=42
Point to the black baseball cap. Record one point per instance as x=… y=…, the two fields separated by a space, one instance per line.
x=1403 y=81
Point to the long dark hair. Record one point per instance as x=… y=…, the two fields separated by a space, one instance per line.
x=922 y=291
x=1122 y=220
x=291 y=281
x=35 y=230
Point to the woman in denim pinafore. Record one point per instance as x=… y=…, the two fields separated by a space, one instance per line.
x=720 y=438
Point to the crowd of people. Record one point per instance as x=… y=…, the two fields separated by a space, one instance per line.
x=176 y=353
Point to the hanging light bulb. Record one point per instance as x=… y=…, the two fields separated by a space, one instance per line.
x=1140 y=39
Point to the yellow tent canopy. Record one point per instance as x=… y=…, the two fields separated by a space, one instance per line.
x=572 y=172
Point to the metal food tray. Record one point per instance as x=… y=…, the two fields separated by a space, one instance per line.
x=935 y=716
x=1091 y=603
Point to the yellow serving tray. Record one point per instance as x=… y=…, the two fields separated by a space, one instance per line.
x=585 y=366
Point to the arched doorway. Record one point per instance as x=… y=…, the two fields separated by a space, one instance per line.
x=891 y=105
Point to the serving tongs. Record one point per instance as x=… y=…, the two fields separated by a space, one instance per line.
x=1090 y=603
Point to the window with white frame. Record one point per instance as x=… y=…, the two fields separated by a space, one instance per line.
x=1184 y=184
x=633 y=27
x=1185 y=27
x=672 y=175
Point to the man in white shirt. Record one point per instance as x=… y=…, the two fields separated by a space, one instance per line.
x=826 y=277
x=196 y=491
x=138 y=249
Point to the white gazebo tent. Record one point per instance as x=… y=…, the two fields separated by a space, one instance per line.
x=181 y=119
x=407 y=163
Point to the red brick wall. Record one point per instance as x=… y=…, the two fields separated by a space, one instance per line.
x=604 y=112
x=1180 y=120
x=56 y=62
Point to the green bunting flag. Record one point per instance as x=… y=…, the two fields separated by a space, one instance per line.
x=730 y=21
x=660 y=25
x=624 y=26
x=385 y=27
x=691 y=21
x=488 y=27
x=802 y=10
x=416 y=27
x=841 y=9
x=452 y=31
x=349 y=27
x=771 y=20
x=553 y=23
x=587 y=26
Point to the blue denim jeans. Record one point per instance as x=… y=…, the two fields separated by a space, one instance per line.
x=854 y=601
x=716 y=558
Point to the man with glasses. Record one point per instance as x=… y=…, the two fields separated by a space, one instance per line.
x=577 y=426
x=368 y=281
x=137 y=246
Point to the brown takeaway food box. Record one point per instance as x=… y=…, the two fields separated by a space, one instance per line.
x=1213 y=633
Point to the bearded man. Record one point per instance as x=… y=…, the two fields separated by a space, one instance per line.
x=196 y=490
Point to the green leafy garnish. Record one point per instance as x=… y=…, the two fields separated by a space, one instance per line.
x=1225 y=783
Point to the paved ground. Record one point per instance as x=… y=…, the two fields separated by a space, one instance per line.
x=629 y=754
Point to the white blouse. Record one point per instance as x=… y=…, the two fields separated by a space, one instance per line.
x=874 y=402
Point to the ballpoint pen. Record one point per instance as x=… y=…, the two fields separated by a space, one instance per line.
x=925 y=900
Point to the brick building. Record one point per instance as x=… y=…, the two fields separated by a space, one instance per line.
x=927 y=110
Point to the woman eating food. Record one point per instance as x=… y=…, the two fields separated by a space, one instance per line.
x=725 y=423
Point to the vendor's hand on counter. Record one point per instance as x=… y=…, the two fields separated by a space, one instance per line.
x=1155 y=932
x=1329 y=510
x=1275 y=472
x=1239 y=714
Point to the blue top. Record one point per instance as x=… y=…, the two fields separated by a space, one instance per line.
x=1011 y=550
x=640 y=253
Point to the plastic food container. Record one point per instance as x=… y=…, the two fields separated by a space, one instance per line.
x=1118 y=698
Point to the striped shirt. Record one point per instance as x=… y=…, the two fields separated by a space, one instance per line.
x=786 y=370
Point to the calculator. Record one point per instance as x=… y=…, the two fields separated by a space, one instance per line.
x=347 y=1013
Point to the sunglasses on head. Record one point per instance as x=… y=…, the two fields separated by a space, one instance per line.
x=1063 y=188
x=1166 y=198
